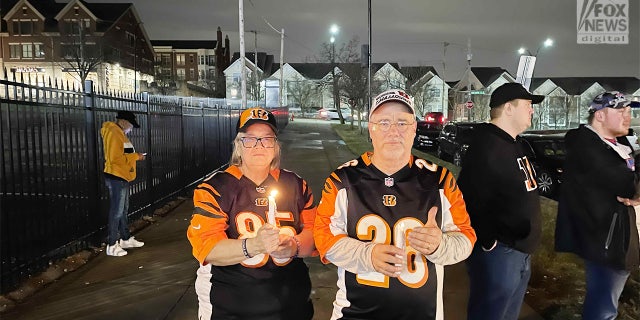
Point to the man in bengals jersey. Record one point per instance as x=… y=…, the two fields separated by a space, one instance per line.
x=250 y=268
x=390 y=221
x=499 y=187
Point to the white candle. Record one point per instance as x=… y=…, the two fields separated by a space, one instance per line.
x=271 y=214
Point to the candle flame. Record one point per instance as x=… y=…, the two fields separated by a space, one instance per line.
x=274 y=193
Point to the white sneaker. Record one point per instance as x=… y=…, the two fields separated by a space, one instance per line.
x=116 y=250
x=131 y=243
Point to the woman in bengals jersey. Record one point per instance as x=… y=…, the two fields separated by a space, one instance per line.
x=390 y=221
x=250 y=268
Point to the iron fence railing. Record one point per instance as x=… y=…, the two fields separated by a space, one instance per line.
x=53 y=201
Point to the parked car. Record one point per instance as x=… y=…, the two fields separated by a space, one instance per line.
x=548 y=159
x=453 y=141
x=332 y=114
x=428 y=130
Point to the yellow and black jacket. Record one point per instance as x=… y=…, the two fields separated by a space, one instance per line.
x=119 y=155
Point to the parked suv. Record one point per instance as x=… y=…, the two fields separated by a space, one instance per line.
x=453 y=141
x=428 y=130
x=547 y=160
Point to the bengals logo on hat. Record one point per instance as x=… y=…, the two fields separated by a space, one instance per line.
x=253 y=115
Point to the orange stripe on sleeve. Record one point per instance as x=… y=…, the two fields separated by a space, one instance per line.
x=322 y=234
x=208 y=223
x=458 y=208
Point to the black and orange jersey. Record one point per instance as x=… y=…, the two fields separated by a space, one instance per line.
x=361 y=202
x=230 y=206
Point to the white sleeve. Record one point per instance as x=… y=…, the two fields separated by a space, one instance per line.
x=352 y=255
x=453 y=248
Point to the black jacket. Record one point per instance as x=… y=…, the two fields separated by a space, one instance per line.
x=591 y=222
x=500 y=191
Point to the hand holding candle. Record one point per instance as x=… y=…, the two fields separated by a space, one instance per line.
x=271 y=214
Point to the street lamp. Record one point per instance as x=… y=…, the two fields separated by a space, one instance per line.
x=546 y=44
x=528 y=62
x=334 y=31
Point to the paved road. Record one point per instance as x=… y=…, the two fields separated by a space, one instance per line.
x=156 y=281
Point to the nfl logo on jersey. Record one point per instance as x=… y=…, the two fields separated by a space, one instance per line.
x=388 y=182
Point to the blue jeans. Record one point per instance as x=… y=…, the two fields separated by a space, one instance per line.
x=118 y=209
x=604 y=287
x=498 y=281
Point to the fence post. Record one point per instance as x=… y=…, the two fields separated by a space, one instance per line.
x=149 y=160
x=93 y=176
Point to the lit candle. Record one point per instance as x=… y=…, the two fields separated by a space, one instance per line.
x=271 y=214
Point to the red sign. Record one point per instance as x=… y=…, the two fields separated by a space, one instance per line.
x=469 y=104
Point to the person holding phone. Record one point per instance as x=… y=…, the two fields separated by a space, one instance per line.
x=119 y=170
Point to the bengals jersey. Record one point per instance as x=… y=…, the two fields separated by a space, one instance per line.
x=230 y=206
x=361 y=202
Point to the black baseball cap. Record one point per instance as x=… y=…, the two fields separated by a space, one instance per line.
x=129 y=116
x=254 y=115
x=511 y=91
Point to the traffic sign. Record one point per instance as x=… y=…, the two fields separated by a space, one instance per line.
x=469 y=104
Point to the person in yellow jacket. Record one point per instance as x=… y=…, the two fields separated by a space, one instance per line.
x=119 y=170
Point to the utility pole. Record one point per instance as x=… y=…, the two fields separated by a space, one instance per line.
x=370 y=57
x=256 y=88
x=469 y=57
x=281 y=72
x=445 y=97
x=243 y=77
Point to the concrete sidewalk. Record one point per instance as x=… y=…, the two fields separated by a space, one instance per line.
x=156 y=281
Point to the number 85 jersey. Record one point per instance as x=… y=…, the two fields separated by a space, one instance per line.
x=361 y=206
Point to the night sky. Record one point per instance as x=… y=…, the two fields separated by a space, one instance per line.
x=409 y=32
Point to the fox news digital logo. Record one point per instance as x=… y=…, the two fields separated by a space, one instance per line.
x=603 y=21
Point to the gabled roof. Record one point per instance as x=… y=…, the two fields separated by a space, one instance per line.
x=185 y=44
x=265 y=61
x=377 y=66
x=416 y=73
x=578 y=85
x=313 y=71
x=487 y=75
x=105 y=13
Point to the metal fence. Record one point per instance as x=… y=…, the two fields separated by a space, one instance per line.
x=53 y=201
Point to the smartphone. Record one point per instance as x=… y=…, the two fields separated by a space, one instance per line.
x=144 y=153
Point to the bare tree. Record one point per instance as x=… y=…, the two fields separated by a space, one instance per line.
x=254 y=88
x=346 y=53
x=81 y=52
x=303 y=92
x=389 y=80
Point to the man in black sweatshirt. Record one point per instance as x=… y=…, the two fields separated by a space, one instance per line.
x=499 y=187
x=596 y=217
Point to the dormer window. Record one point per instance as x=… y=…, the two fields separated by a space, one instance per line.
x=22 y=27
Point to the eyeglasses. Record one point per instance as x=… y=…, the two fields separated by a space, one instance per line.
x=252 y=142
x=385 y=125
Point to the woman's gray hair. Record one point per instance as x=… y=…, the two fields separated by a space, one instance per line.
x=236 y=154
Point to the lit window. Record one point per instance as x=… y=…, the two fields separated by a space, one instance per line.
x=27 y=50
x=15 y=51
x=180 y=59
x=38 y=50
